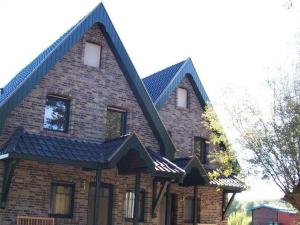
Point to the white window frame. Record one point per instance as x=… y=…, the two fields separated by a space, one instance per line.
x=182 y=97
x=92 y=54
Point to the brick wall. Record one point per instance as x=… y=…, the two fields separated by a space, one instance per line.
x=184 y=123
x=90 y=89
x=30 y=194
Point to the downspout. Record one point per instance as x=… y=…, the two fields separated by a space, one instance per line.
x=96 y=217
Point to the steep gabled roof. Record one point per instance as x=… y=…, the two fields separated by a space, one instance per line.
x=161 y=85
x=20 y=86
x=157 y=82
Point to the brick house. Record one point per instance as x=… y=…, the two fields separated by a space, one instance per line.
x=266 y=214
x=84 y=141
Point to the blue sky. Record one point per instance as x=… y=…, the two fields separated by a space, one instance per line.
x=233 y=43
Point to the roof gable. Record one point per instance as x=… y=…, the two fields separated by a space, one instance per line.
x=20 y=86
x=157 y=82
x=161 y=85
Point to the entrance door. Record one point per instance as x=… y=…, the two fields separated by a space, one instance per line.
x=105 y=209
x=166 y=218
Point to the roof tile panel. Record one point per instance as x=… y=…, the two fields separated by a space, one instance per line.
x=157 y=82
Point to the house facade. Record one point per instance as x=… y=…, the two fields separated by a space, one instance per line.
x=84 y=141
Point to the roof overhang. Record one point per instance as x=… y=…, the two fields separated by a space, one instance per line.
x=130 y=156
x=195 y=173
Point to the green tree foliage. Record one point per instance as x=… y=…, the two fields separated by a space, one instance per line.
x=272 y=139
x=222 y=154
x=239 y=218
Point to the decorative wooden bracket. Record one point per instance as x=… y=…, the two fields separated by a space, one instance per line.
x=157 y=199
x=225 y=206
x=9 y=167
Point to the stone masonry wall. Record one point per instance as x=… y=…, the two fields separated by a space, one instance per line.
x=90 y=90
x=183 y=123
x=30 y=195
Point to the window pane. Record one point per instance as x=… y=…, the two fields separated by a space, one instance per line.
x=200 y=149
x=56 y=114
x=129 y=205
x=92 y=53
x=104 y=209
x=188 y=210
x=182 y=97
x=115 y=123
x=197 y=147
x=61 y=202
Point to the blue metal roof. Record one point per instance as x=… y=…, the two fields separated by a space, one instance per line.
x=162 y=84
x=157 y=82
x=73 y=150
x=63 y=150
x=20 y=86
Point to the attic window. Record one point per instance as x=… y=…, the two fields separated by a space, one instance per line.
x=182 y=97
x=92 y=53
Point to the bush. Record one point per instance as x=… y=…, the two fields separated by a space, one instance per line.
x=239 y=218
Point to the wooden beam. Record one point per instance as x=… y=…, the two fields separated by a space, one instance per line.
x=195 y=214
x=159 y=197
x=96 y=217
x=9 y=168
x=226 y=207
x=137 y=191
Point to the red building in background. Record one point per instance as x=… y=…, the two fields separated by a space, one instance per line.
x=267 y=215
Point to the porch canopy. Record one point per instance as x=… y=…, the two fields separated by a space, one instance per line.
x=125 y=153
x=195 y=174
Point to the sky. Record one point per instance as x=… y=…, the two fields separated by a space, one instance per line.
x=232 y=43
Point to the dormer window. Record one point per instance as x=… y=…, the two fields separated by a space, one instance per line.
x=56 y=117
x=115 y=122
x=92 y=54
x=200 y=149
x=182 y=97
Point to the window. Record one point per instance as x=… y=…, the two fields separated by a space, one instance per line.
x=56 y=116
x=189 y=210
x=115 y=123
x=92 y=54
x=62 y=200
x=106 y=202
x=200 y=149
x=129 y=205
x=182 y=98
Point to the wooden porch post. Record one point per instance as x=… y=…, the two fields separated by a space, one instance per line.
x=96 y=217
x=168 y=206
x=195 y=205
x=137 y=199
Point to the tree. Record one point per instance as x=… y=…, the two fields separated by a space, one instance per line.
x=239 y=218
x=272 y=138
x=222 y=157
